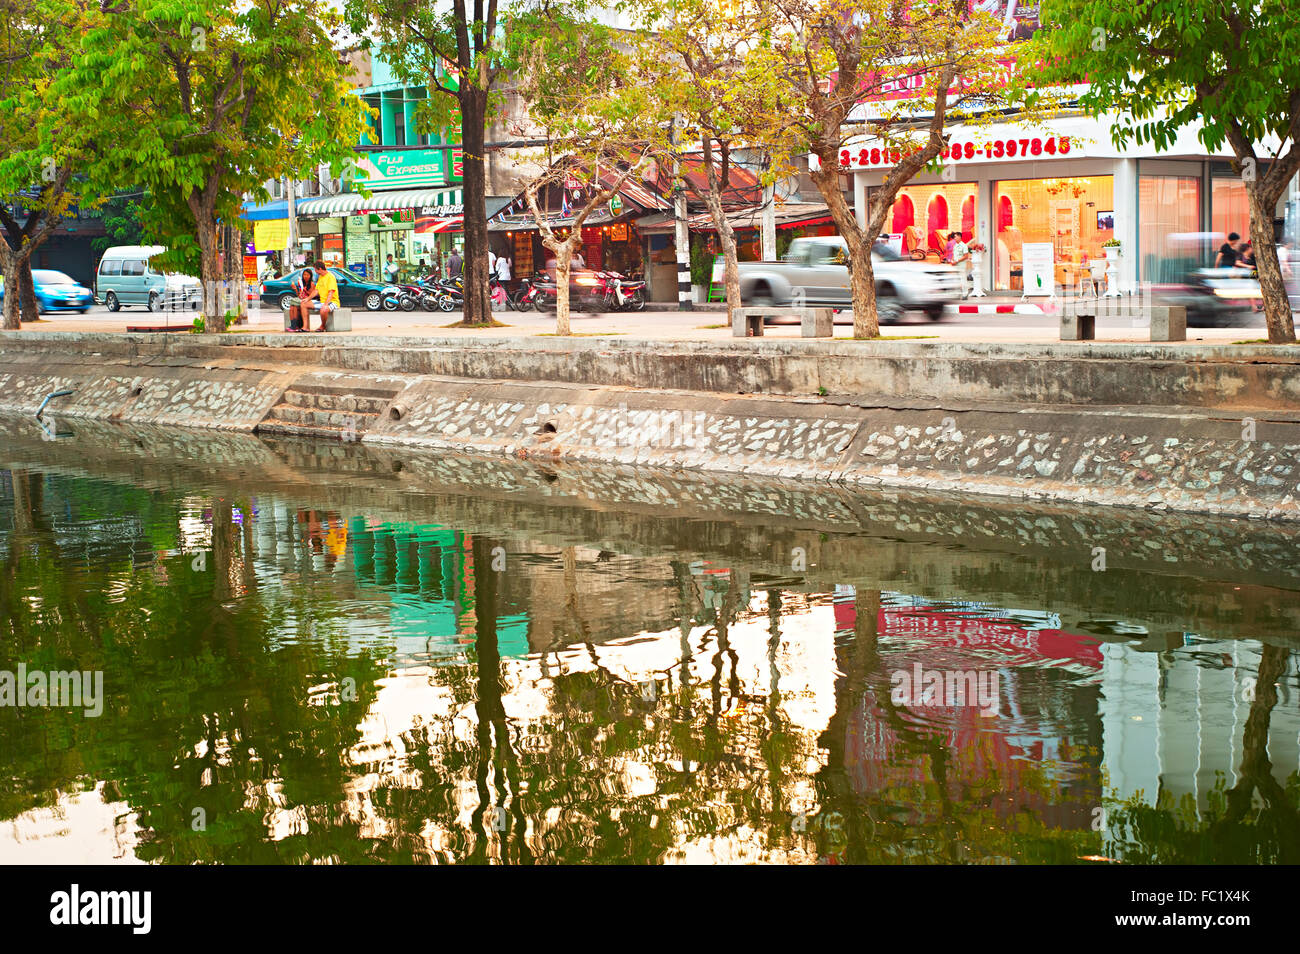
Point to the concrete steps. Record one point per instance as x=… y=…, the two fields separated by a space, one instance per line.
x=332 y=413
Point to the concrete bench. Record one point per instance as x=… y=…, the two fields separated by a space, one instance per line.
x=339 y=320
x=1079 y=318
x=813 y=322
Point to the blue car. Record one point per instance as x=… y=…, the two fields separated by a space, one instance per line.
x=56 y=291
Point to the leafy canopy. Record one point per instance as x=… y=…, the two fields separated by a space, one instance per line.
x=202 y=101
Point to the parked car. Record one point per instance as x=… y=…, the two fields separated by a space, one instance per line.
x=56 y=291
x=125 y=277
x=354 y=292
x=812 y=268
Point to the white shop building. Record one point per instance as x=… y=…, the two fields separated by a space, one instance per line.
x=1066 y=184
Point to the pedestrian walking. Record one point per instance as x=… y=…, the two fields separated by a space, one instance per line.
x=1229 y=252
x=959 y=258
x=454 y=264
x=503 y=271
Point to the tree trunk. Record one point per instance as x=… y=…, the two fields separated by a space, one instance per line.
x=27 y=291
x=473 y=106
x=9 y=268
x=235 y=273
x=563 y=255
x=210 y=273
x=727 y=237
x=866 y=324
x=1277 y=307
x=862 y=278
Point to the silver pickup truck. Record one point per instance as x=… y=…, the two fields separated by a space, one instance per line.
x=811 y=267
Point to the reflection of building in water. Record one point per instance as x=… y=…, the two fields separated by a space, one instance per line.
x=1173 y=722
x=1037 y=754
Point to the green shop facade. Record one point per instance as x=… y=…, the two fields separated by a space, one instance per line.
x=414 y=209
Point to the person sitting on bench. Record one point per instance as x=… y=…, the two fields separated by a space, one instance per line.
x=302 y=287
x=326 y=293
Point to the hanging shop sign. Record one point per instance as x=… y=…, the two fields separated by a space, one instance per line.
x=405 y=169
x=443 y=211
x=271 y=234
x=615 y=205
x=618 y=232
x=395 y=219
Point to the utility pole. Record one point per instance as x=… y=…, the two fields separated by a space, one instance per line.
x=682 y=233
x=292 y=210
x=767 y=252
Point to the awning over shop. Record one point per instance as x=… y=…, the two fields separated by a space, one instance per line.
x=525 y=223
x=424 y=201
x=788 y=215
x=276 y=209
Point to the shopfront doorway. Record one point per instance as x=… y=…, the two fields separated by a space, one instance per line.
x=1074 y=214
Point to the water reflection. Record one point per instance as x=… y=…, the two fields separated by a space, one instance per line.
x=304 y=663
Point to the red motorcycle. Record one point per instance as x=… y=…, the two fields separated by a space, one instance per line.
x=623 y=293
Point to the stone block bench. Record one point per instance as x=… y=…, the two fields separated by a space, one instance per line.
x=1079 y=318
x=813 y=322
x=339 y=320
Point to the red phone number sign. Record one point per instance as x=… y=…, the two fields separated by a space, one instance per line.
x=1035 y=146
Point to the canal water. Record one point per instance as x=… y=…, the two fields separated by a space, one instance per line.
x=290 y=652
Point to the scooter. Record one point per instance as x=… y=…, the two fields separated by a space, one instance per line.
x=525 y=296
x=623 y=293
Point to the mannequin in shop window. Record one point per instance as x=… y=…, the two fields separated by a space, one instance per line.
x=913 y=240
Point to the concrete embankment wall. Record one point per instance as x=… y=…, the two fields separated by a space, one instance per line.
x=1184 y=428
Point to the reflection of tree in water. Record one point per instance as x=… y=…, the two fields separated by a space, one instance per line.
x=567 y=787
x=203 y=709
x=1257 y=821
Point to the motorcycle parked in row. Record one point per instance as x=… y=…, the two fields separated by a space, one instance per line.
x=592 y=291
x=623 y=293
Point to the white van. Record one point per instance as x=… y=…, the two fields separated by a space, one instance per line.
x=125 y=277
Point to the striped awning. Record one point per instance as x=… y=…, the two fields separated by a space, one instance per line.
x=423 y=201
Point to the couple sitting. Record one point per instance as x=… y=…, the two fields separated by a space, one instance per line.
x=320 y=285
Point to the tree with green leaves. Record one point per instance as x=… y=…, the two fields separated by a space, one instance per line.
x=456 y=52
x=1225 y=67
x=40 y=153
x=595 y=99
x=707 y=80
x=202 y=102
x=122 y=216
x=832 y=62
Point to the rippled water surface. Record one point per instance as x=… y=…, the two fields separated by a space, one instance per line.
x=324 y=654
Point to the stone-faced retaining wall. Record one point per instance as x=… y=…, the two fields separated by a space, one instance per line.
x=1235 y=455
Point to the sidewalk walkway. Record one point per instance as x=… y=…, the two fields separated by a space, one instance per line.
x=987 y=321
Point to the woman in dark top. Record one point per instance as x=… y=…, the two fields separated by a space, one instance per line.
x=1247 y=259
